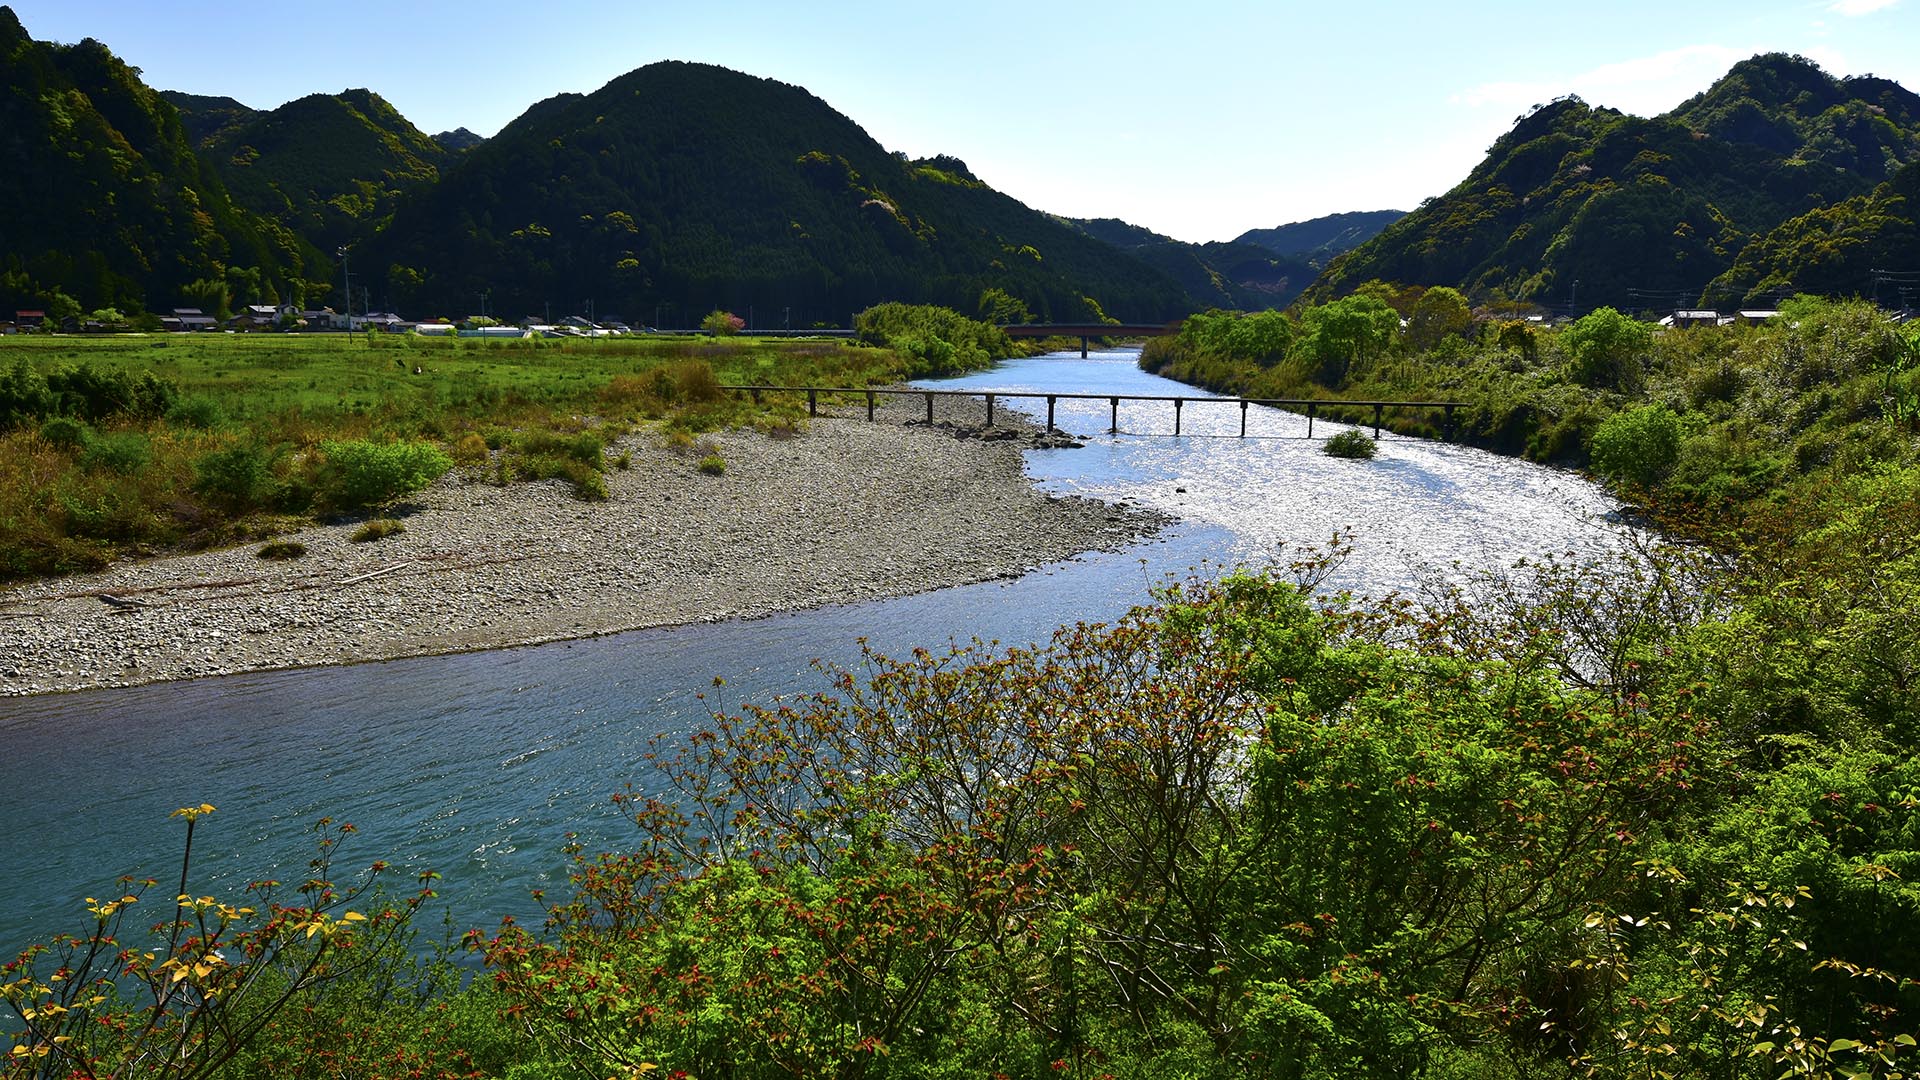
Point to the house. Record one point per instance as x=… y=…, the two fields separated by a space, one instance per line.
x=321 y=319
x=29 y=320
x=1696 y=317
x=189 y=319
x=385 y=321
x=256 y=317
x=1756 y=316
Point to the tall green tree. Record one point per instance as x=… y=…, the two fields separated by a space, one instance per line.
x=1338 y=338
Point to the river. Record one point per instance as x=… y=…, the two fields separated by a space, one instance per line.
x=480 y=765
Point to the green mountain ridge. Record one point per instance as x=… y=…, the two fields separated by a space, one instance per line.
x=330 y=168
x=105 y=202
x=1263 y=268
x=679 y=188
x=1583 y=206
x=1323 y=237
x=205 y=116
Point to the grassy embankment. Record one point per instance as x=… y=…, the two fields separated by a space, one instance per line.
x=139 y=445
x=1659 y=817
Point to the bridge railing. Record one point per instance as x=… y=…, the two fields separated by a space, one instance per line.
x=1310 y=406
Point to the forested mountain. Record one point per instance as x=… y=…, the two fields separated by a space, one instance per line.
x=327 y=167
x=679 y=188
x=1321 y=238
x=457 y=140
x=104 y=201
x=1731 y=197
x=1234 y=274
x=204 y=116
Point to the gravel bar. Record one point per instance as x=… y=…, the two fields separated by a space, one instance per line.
x=847 y=511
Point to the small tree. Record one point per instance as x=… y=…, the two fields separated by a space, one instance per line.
x=1607 y=350
x=723 y=324
x=1638 y=446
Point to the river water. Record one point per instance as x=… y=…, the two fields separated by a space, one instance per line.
x=479 y=766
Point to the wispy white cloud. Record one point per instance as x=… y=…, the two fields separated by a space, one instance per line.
x=1644 y=85
x=1854 y=8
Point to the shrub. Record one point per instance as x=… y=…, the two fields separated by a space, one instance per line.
x=712 y=465
x=64 y=432
x=282 y=549
x=1351 y=444
x=470 y=450
x=1637 y=446
x=360 y=474
x=378 y=529
x=236 y=477
x=197 y=412
x=125 y=452
x=694 y=382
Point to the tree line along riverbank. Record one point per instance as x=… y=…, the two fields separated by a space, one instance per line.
x=1648 y=816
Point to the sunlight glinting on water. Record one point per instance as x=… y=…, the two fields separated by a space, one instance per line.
x=1417 y=505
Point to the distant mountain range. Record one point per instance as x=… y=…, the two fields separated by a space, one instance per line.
x=679 y=188
x=1262 y=268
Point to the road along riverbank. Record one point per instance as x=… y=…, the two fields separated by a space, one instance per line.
x=848 y=511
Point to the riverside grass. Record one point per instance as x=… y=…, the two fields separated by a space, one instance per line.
x=265 y=406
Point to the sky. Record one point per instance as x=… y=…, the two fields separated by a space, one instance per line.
x=1197 y=119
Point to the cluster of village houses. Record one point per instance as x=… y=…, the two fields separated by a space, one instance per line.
x=268 y=317
x=265 y=317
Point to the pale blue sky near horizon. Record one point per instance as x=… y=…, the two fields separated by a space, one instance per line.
x=1198 y=120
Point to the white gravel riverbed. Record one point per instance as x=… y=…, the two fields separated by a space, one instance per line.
x=848 y=511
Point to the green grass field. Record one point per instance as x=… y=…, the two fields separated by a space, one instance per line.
x=234 y=447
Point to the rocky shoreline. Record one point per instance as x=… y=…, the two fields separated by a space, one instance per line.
x=848 y=511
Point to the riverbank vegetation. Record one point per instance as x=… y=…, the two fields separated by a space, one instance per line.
x=1641 y=816
x=137 y=445
x=1707 y=416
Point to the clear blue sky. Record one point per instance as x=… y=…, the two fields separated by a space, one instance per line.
x=1199 y=119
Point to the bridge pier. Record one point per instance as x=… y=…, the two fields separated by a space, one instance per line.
x=1083 y=346
x=989 y=410
x=1177 y=403
x=1113 y=423
x=1377 y=407
x=1243 y=418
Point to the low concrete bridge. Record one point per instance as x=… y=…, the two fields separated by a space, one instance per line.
x=1084 y=331
x=1311 y=407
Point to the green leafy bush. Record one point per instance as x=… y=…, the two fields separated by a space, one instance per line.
x=360 y=474
x=65 y=432
x=238 y=478
x=1637 y=446
x=282 y=549
x=1352 y=443
x=122 y=452
x=933 y=340
x=712 y=465
x=197 y=411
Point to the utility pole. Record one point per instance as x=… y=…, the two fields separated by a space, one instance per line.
x=346 y=284
x=786 y=318
x=1573 y=302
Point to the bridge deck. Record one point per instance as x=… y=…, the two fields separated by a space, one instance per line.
x=1090 y=329
x=1311 y=406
